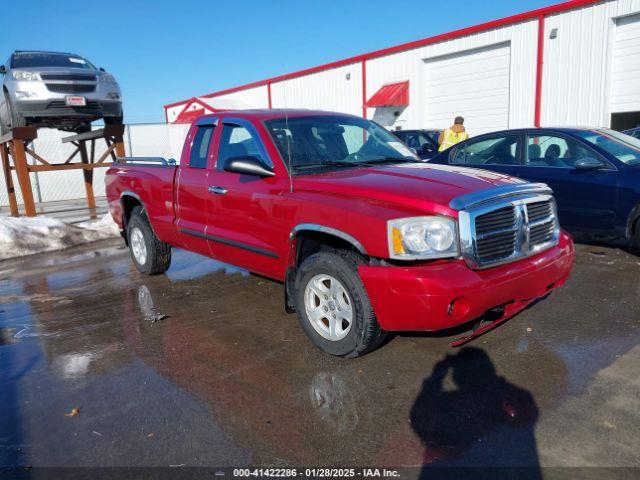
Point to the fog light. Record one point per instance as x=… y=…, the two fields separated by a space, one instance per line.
x=113 y=95
x=459 y=307
x=25 y=94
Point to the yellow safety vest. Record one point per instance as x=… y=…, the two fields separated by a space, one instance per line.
x=450 y=138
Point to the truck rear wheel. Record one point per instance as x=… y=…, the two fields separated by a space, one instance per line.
x=333 y=306
x=149 y=254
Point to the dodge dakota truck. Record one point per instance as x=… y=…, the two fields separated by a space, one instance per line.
x=365 y=237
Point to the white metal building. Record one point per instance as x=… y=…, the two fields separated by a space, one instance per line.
x=575 y=63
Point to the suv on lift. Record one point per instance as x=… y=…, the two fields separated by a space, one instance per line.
x=57 y=90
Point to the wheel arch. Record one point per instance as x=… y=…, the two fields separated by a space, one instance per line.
x=633 y=221
x=129 y=201
x=307 y=239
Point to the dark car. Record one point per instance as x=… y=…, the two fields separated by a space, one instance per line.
x=594 y=173
x=424 y=142
x=634 y=132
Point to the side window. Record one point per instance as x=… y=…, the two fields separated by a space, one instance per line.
x=489 y=151
x=552 y=151
x=416 y=140
x=200 y=147
x=236 y=141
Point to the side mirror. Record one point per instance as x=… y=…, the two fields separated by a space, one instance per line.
x=248 y=166
x=3 y=69
x=588 y=163
x=102 y=69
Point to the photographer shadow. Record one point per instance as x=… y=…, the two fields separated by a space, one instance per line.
x=484 y=425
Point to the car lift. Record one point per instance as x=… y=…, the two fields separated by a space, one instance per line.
x=15 y=146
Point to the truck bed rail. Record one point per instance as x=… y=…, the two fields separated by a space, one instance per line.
x=147 y=161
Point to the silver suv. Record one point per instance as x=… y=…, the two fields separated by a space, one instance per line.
x=58 y=90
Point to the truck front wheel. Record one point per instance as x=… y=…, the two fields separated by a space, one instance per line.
x=149 y=254
x=333 y=307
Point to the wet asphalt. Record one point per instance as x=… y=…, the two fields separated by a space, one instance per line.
x=202 y=367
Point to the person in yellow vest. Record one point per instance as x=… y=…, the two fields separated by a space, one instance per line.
x=455 y=134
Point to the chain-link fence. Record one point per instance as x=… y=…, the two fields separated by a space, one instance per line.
x=157 y=140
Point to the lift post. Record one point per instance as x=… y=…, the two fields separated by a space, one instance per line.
x=16 y=145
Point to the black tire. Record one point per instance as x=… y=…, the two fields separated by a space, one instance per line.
x=15 y=119
x=635 y=240
x=113 y=120
x=365 y=333
x=158 y=253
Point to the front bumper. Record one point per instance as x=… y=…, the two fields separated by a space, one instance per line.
x=57 y=108
x=446 y=294
x=43 y=102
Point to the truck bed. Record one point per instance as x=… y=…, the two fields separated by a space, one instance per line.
x=152 y=182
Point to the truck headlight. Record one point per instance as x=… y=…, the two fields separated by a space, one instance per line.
x=422 y=238
x=26 y=76
x=107 y=78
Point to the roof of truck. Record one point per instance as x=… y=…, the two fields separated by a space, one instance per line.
x=273 y=113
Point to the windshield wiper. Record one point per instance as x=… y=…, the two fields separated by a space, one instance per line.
x=371 y=163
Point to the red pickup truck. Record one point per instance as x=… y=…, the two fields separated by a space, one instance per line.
x=366 y=238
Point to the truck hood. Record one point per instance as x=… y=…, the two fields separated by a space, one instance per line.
x=418 y=186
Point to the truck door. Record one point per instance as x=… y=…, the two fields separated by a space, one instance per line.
x=244 y=211
x=191 y=186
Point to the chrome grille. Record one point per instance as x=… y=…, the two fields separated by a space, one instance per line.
x=542 y=222
x=539 y=210
x=503 y=228
x=496 y=220
x=540 y=234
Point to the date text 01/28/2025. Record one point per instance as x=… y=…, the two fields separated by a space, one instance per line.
x=315 y=473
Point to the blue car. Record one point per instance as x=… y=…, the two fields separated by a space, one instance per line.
x=594 y=173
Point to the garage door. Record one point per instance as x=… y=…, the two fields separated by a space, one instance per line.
x=625 y=81
x=474 y=84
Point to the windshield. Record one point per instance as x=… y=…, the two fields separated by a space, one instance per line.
x=40 y=59
x=333 y=142
x=624 y=147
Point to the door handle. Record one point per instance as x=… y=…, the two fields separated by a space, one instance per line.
x=218 y=190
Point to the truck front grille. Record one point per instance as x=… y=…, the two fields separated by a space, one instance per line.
x=496 y=234
x=542 y=223
x=70 y=88
x=506 y=230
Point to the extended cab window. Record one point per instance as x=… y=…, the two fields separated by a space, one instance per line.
x=236 y=141
x=200 y=147
x=489 y=151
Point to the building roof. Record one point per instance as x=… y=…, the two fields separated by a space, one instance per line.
x=521 y=17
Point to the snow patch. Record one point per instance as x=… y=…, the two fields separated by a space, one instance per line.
x=27 y=236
